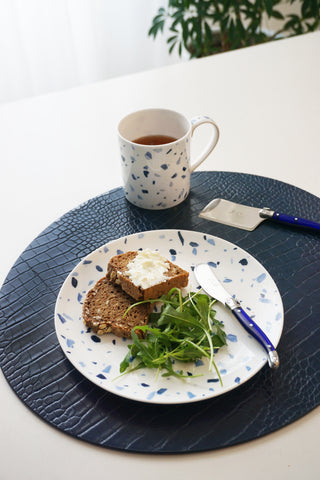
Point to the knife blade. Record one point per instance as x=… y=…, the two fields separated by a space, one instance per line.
x=212 y=286
x=246 y=217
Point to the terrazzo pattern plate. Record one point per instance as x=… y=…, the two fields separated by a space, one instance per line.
x=98 y=358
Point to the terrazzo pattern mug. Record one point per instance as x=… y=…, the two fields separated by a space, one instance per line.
x=155 y=156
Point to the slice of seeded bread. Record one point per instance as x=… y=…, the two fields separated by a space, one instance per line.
x=117 y=266
x=105 y=305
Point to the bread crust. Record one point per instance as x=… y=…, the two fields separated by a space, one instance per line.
x=105 y=305
x=117 y=267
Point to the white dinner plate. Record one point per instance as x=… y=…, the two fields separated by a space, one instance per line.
x=98 y=358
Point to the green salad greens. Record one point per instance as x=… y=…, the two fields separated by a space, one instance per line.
x=185 y=329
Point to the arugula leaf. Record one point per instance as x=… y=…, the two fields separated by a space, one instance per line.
x=185 y=330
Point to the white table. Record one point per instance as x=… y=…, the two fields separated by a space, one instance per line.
x=58 y=150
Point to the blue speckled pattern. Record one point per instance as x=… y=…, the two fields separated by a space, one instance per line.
x=159 y=179
x=98 y=358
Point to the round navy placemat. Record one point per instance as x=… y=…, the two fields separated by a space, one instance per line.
x=42 y=377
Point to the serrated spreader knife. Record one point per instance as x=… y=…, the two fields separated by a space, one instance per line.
x=242 y=216
x=212 y=286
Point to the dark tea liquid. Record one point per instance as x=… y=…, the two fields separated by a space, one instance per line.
x=154 y=140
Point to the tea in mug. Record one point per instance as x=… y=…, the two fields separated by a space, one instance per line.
x=154 y=140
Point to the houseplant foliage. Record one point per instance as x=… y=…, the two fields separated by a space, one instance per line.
x=205 y=27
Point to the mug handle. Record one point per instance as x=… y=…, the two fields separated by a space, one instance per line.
x=195 y=123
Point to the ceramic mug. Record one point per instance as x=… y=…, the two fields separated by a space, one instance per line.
x=155 y=156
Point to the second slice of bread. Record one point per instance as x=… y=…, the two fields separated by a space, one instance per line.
x=105 y=305
x=175 y=276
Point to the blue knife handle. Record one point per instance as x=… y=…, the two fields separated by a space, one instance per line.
x=291 y=220
x=258 y=334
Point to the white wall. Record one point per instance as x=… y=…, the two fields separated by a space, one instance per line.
x=47 y=45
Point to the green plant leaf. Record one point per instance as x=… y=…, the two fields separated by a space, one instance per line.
x=156 y=28
x=277 y=14
x=172 y=47
x=172 y=39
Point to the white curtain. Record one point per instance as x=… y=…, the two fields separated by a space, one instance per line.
x=48 y=45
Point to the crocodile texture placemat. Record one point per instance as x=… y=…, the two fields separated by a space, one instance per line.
x=43 y=378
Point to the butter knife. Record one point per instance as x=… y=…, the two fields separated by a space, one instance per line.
x=212 y=286
x=242 y=216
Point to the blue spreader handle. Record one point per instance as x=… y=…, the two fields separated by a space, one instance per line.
x=291 y=220
x=258 y=334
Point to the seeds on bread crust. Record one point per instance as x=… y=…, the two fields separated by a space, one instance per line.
x=105 y=305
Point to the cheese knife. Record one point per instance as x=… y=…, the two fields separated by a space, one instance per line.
x=212 y=286
x=242 y=216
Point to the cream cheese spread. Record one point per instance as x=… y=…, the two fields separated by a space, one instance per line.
x=147 y=269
